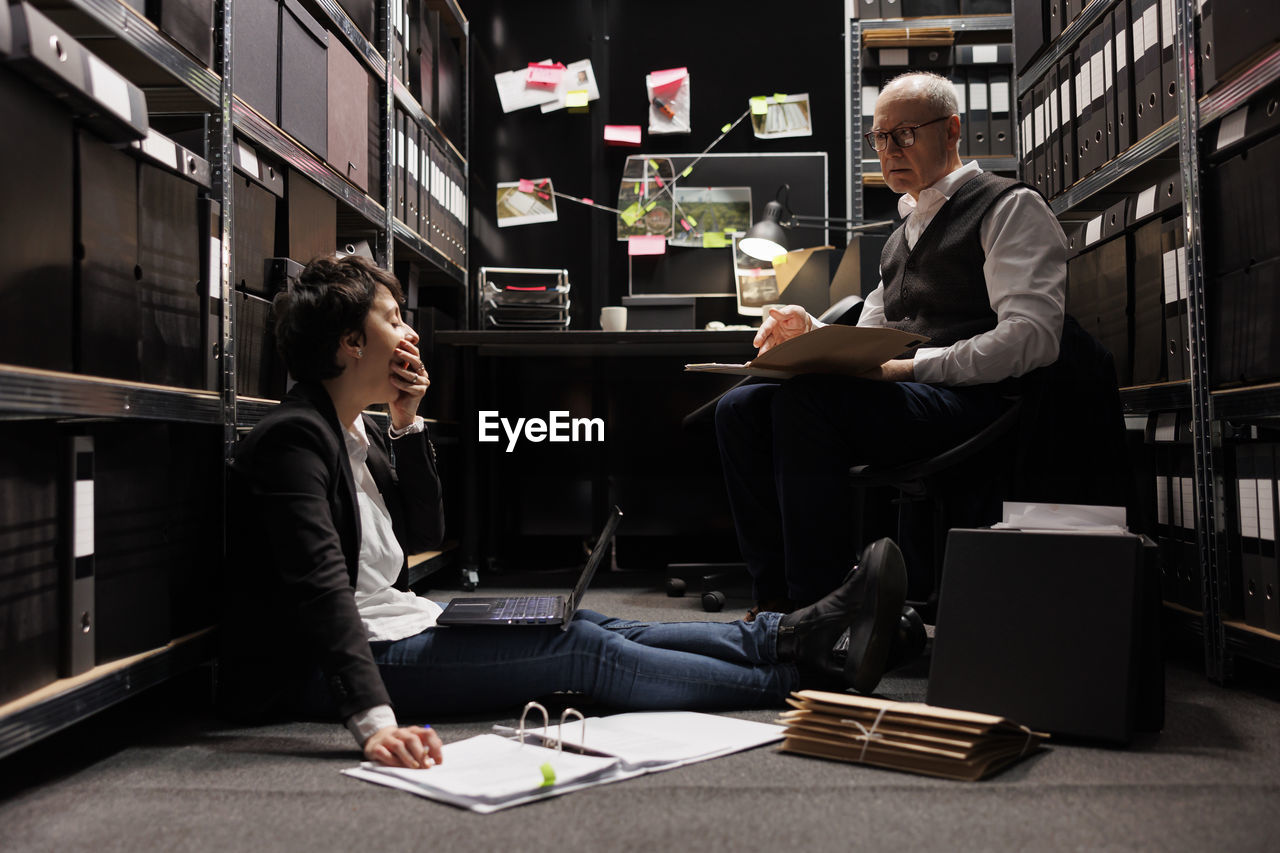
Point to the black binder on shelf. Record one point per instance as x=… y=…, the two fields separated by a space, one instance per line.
x=211 y=291
x=1160 y=435
x=1173 y=274
x=1000 y=93
x=435 y=212
x=1026 y=136
x=1054 y=11
x=377 y=183
x=106 y=292
x=1096 y=127
x=1039 y=124
x=1084 y=108
x=1124 y=78
x=1113 y=304
x=1053 y=135
x=1082 y=290
x=1268 y=466
x=1168 y=64
x=399 y=185
x=1238 y=33
x=1247 y=492
x=449 y=79
x=78 y=557
x=424 y=188
x=171 y=306
x=1031 y=30
x=1104 y=41
x=412 y=138
x=1241 y=200
x=927 y=8
x=978 y=133
x=1148 y=108
x=1148 y=305
x=1190 y=573
x=1067 y=129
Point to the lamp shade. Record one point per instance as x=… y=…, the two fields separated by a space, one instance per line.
x=766 y=239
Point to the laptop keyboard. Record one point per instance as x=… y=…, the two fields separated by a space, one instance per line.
x=528 y=608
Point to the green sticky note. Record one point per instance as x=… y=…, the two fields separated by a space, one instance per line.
x=638 y=188
x=779 y=98
x=759 y=105
x=548 y=775
x=654 y=164
x=713 y=240
x=651 y=205
x=779 y=259
x=726 y=128
x=631 y=214
x=728 y=231
x=687 y=170
x=692 y=221
x=576 y=98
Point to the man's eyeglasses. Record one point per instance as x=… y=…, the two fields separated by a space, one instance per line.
x=903 y=137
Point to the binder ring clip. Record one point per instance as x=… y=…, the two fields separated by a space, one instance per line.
x=582 y=740
x=546 y=719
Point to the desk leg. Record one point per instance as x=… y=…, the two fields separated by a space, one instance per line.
x=470 y=473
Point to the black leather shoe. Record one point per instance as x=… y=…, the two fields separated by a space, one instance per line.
x=875 y=624
x=907 y=645
x=876 y=586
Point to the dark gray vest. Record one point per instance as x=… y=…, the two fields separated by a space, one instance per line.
x=938 y=288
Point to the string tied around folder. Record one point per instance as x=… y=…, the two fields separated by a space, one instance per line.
x=868 y=734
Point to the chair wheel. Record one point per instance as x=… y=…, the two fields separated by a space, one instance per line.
x=676 y=587
x=713 y=602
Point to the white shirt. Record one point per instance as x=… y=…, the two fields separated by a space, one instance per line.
x=388 y=613
x=1026 y=273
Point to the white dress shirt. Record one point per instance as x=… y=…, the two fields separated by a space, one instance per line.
x=388 y=613
x=1026 y=273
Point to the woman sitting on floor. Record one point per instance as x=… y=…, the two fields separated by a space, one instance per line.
x=324 y=504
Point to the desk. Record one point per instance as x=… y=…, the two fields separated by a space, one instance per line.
x=635 y=382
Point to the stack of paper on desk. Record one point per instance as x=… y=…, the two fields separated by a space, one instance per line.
x=847 y=350
x=490 y=772
x=904 y=735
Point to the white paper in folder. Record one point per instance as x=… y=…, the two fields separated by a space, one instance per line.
x=1079 y=518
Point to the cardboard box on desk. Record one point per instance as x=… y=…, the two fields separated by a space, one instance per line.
x=1056 y=629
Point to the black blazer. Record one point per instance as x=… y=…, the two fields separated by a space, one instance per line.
x=294 y=547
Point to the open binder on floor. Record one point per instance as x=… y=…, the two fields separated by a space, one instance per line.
x=906 y=736
x=490 y=772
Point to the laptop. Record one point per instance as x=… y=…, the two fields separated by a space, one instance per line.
x=532 y=610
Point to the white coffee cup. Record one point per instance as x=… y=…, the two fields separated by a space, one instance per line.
x=613 y=318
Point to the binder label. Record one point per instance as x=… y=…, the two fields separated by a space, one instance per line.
x=110 y=88
x=1146 y=203
x=83 y=545
x=1150 y=28
x=1170 y=260
x=1162 y=500
x=1231 y=130
x=1166 y=23
x=977 y=96
x=1053 y=109
x=1065 y=94
x=1093 y=231
x=1247 y=493
x=1266 y=516
x=1096 y=75
x=1121 y=58
x=1139 y=40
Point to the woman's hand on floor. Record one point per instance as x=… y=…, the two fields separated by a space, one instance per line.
x=408 y=746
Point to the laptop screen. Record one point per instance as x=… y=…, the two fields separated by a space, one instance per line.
x=593 y=562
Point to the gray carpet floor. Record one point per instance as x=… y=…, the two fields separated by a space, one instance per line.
x=161 y=773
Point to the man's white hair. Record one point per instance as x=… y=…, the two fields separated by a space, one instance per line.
x=935 y=90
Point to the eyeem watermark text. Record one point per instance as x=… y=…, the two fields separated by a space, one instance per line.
x=558 y=427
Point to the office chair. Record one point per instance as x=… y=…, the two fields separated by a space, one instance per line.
x=1062 y=440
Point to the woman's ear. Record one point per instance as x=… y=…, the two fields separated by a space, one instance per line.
x=352 y=345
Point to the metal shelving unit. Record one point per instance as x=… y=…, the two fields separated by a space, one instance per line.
x=31 y=394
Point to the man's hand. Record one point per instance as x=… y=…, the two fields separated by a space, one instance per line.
x=782 y=324
x=409 y=375
x=894 y=370
x=409 y=746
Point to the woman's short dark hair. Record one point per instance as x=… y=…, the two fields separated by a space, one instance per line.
x=330 y=298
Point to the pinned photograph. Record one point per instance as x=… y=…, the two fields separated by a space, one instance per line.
x=782 y=116
x=668 y=93
x=520 y=88
x=526 y=202
x=699 y=211
x=644 y=197
x=757 y=283
x=577 y=84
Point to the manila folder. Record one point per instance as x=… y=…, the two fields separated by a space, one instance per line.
x=848 y=350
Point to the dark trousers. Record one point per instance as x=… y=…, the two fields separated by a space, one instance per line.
x=787 y=448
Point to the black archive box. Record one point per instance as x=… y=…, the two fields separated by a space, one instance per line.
x=36 y=268
x=363 y=13
x=259 y=370
x=1031 y=30
x=29 y=570
x=422 y=47
x=259 y=187
x=304 y=78
x=256 y=69
x=310 y=229
x=188 y=22
x=108 y=328
x=1148 y=305
x=348 y=93
x=449 y=77
x=1059 y=631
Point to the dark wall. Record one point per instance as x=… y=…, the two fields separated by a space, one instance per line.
x=732 y=51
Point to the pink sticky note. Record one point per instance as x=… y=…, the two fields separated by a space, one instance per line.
x=544 y=75
x=658 y=178
x=587 y=201
x=667 y=77
x=622 y=134
x=655 y=244
x=525 y=185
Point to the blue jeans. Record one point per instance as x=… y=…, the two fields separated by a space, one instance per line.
x=787 y=449
x=634 y=666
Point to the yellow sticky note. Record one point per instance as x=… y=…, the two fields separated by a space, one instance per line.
x=692 y=221
x=631 y=214
x=576 y=98
x=651 y=205
x=637 y=188
x=548 y=775
x=713 y=240
x=780 y=259
x=759 y=105
x=779 y=98
x=654 y=165
x=726 y=128
x=687 y=170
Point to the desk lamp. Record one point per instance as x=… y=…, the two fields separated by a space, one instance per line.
x=767 y=238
